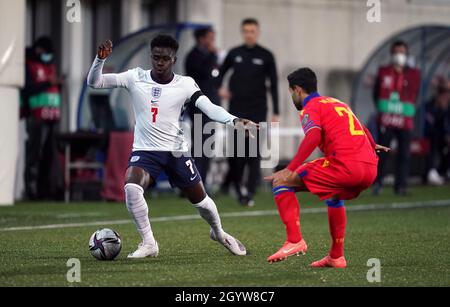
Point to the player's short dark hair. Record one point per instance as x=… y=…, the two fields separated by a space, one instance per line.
x=250 y=21
x=164 y=41
x=202 y=32
x=399 y=43
x=305 y=78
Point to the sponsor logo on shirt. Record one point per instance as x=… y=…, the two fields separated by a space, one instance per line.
x=238 y=59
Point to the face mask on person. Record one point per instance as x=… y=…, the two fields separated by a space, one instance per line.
x=399 y=59
x=46 y=57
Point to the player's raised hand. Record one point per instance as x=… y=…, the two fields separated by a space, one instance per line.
x=105 y=49
x=379 y=148
x=247 y=125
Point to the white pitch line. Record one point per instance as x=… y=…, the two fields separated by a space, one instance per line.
x=368 y=207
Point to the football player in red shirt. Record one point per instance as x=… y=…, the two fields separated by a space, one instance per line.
x=349 y=166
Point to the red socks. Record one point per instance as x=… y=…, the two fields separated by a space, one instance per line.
x=289 y=210
x=337 y=221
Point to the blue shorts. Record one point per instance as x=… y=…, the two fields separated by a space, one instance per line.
x=181 y=171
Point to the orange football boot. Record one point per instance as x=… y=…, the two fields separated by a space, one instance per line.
x=289 y=249
x=328 y=262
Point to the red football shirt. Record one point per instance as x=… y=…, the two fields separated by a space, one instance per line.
x=343 y=136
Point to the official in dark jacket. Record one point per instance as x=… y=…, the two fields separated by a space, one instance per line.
x=252 y=66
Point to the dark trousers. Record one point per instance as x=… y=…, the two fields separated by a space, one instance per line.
x=43 y=175
x=202 y=162
x=439 y=156
x=250 y=161
x=254 y=173
x=402 y=159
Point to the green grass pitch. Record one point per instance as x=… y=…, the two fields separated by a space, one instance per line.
x=413 y=245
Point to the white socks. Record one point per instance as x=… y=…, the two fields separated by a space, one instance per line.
x=137 y=206
x=208 y=211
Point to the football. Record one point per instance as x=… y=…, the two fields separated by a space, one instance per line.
x=105 y=244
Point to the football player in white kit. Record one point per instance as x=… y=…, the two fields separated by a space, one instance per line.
x=159 y=98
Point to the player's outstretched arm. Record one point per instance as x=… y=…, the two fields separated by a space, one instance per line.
x=219 y=114
x=310 y=142
x=96 y=78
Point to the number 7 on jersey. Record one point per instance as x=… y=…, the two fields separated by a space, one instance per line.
x=154 y=114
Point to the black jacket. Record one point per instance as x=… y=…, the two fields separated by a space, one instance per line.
x=200 y=65
x=251 y=69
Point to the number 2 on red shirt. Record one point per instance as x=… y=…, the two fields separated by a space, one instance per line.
x=351 y=120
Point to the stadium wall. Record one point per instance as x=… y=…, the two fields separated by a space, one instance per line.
x=12 y=48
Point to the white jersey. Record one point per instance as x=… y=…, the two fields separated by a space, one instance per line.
x=158 y=108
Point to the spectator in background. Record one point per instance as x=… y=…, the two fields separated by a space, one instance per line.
x=395 y=94
x=252 y=66
x=201 y=65
x=41 y=101
x=437 y=130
